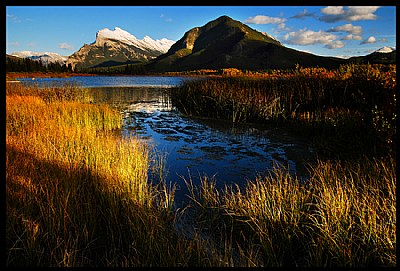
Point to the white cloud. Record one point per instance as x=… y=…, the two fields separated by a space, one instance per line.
x=336 y=44
x=65 y=46
x=351 y=14
x=303 y=14
x=352 y=37
x=354 y=32
x=349 y=28
x=333 y=10
x=262 y=19
x=308 y=37
x=370 y=40
x=168 y=20
x=13 y=18
x=282 y=26
x=362 y=13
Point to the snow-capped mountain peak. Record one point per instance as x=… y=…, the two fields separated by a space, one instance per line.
x=118 y=45
x=118 y=34
x=386 y=49
x=161 y=45
x=147 y=38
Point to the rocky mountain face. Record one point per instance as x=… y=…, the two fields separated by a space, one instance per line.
x=117 y=46
x=227 y=43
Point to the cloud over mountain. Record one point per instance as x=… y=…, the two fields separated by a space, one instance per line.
x=308 y=37
x=262 y=19
x=349 y=28
x=352 y=37
x=354 y=31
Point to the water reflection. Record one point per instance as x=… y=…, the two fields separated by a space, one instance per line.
x=195 y=147
x=134 y=99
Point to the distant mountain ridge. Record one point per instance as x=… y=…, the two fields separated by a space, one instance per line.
x=117 y=46
x=221 y=43
x=44 y=57
x=384 y=55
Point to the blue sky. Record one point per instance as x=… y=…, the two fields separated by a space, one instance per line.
x=322 y=30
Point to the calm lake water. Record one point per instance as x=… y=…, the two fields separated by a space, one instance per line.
x=194 y=147
x=110 y=81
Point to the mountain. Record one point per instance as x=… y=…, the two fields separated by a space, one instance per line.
x=227 y=43
x=45 y=57
x=384 y=55
x=117 y=46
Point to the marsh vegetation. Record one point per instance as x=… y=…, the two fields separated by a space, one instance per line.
x=79 y=194
x=346 y=110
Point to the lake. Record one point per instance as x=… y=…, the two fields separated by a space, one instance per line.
x=193 y=147
x=110 y=81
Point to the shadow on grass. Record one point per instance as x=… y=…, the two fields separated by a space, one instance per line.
x=59 y=215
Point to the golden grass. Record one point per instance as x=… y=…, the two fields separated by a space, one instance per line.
x=73 y=185
x=355 y=211
x=344 y=215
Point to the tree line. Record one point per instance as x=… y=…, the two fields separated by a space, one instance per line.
x=130 y=69
x=15 y=64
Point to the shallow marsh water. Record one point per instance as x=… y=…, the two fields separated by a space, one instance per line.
x=196 y=147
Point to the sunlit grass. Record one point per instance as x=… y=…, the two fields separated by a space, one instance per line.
x=355 y=212
x=77 y=193
x=344 y=215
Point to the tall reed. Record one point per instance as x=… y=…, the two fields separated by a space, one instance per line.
x=344 y=215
